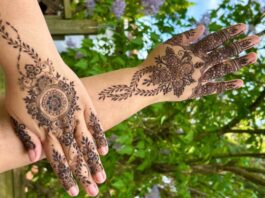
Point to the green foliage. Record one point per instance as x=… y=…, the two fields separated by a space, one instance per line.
x=185 y=143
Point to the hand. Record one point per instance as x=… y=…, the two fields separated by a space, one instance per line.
x=50 y=104
x=184 y=68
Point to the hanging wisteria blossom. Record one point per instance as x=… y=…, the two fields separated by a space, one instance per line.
x=151 y=7
x=118 y=8
x=90 y=5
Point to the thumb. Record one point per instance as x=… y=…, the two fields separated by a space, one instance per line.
x=29 y=140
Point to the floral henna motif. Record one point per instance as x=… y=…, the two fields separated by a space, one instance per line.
x=172 y=73
x=20 y=130
x=90 y=155
x=97 y=132
x=63 y=171
x=51 y=99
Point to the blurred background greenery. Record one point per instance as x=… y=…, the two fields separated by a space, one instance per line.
x=209 y=147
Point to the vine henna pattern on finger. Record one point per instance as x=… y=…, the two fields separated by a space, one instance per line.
x=174 y=70
x=97 y=131
x=20 y=130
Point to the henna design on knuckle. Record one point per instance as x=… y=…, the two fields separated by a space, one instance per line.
x=212 y=88
x=222 y=69
x=20 y=130
x=63 y=171
x=90 y=155
x=97 y=132
x=216 y=39
x=179 y=39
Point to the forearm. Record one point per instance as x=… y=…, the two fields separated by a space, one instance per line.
x=110 y=113
x=26 y=17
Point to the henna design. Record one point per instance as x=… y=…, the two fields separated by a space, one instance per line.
x=173 y=71
x=89 y=153
x=80 y=167
x=51 y=100
x=97 y=132
x=20 y=130
x=222 y=69
x=62 y=169
x=210 y=88
x=178 y=39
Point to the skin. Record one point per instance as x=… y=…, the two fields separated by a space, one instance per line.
x=193 y=75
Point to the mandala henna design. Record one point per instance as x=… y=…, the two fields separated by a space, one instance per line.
x=90 y=155
x=97 y=132
x=51 y=99
x=20 y=130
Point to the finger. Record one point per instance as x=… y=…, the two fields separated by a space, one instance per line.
x=227 y=67
x=216 y=88
x=219 y=55
x=88 y=148
x=216 y=39
x=58 y=161
x=98 y=134
x=76 y=161
x=187 y=37
x=29 y=140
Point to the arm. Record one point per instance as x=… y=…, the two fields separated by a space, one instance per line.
x=110 y=115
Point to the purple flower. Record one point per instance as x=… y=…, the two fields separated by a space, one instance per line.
x=118 y=8
x=152 y=6
x=78 y=55
x=70 y=43
x=90 y=5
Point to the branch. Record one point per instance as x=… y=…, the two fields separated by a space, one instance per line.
x=256 y=131
x=238 y=118
x=262 y=33
x=229 y=155
x=245 y=174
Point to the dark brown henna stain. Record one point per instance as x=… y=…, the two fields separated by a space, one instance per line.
x=178 y=39
x=80 y=167
x=172 y=73
x=20 y=130
x=52 y=101
x=213 y=88
x=63 y=171
x=96 y=130
x=215 y=40
x=92 y=158
x=222 y=69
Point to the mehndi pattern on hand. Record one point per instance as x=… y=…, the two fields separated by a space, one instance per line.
x=183 y=65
